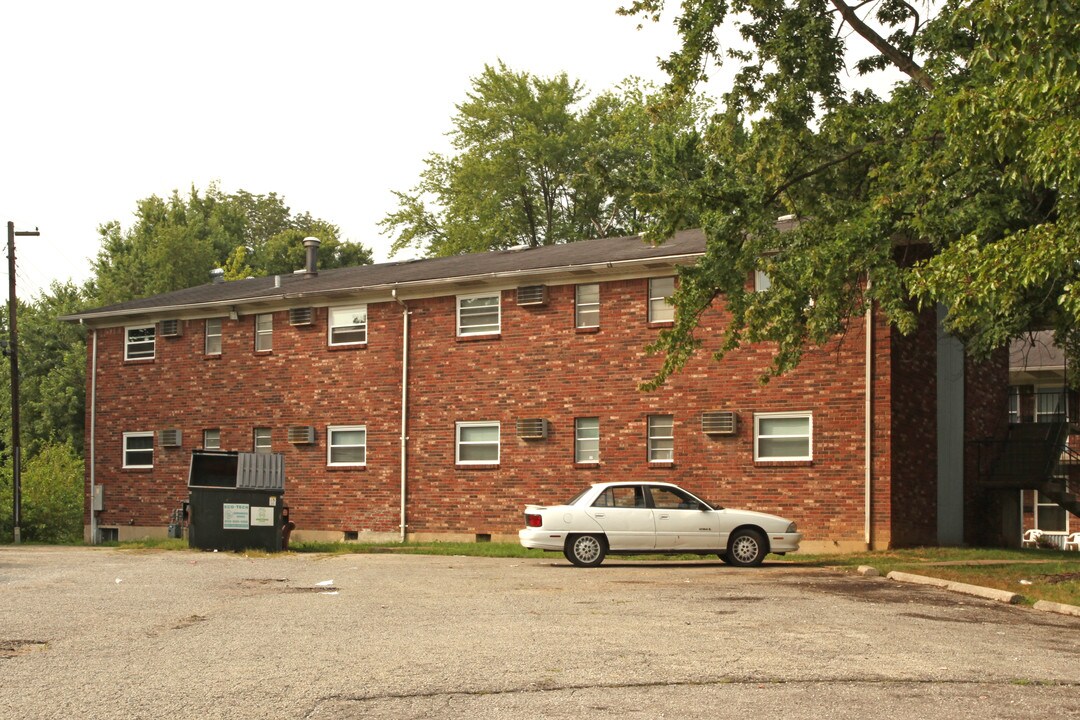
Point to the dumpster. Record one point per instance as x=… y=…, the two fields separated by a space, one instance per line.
x=235 y=500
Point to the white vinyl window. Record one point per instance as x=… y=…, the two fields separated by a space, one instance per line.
x=477 y=443
x=348 y=325
x=261 y=440
x=762 y=281
x=587 y=305
x=213 y=336
x=211 y=439
x=661 y=438
x=660 y=289
x=138 y=449
x=139 y=342
x=478 y=314
x=346 y=445
x=587 y=440
x=783 y=436
x=264 y=332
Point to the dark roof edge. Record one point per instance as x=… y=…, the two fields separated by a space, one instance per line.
x=130 y=312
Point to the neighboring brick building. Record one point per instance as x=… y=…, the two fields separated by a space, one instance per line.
x=522 y=371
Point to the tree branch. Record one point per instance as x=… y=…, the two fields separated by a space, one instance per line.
x=901 y=60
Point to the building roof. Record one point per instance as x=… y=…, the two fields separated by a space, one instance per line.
x=601 y=253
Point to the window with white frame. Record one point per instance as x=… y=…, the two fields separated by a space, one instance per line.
x=783 y=436
x=1050 y=516
x=587 y=305
x=1049 y=405
x=211 y=439
x=139 y=342
x=346 y=445
x=586 y=440
x=213 y=336
x=660 y=289
x=348 y=325
x=138 y=449
x=477 y=443
x=762 y=281
x=261 y=440
x=264 y=332
x=661 y=438
x=478 y=314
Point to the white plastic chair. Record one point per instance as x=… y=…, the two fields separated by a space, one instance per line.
x=1072 y=542
x=1031 y=538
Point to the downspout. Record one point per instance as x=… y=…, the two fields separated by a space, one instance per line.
x=93 y=439
x=404 y=402
x=869 y=420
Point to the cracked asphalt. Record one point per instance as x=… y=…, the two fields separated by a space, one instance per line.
x=147 y=634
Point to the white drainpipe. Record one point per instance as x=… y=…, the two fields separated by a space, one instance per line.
x=93 y=438
x=869 y=429
x=404 y=403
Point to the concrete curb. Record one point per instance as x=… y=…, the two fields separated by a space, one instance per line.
x=983 y=592
x=1060 y=608
x=987 y=593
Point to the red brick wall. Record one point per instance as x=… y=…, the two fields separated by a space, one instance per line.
x=539 y=366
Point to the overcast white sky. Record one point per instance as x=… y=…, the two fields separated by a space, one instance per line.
x=331 y=104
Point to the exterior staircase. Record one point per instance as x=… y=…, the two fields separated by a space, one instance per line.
x=1036 y=456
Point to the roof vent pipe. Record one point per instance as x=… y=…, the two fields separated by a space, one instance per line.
x=217 y=276
x=311 y=245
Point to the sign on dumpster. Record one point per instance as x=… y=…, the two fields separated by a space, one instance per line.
x=235 y=516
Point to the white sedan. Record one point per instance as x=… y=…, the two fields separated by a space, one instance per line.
x=652 y=517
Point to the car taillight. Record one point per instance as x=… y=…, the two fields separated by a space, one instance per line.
x=533 y=520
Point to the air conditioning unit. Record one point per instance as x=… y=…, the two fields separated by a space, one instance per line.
x=532 y=428
x=532 y=295
x=719 y=422
x=302 y=435
x=301 y=316
x=172 y=437
x=170 y=328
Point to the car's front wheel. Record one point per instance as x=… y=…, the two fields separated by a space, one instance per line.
x=585 y=550
x=746 y=548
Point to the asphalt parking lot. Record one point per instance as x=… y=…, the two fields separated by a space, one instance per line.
x=102 y=632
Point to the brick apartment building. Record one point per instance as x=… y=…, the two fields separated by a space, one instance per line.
x=435 y=398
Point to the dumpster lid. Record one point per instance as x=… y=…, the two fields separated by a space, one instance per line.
x=231 y=469
x=261 y=471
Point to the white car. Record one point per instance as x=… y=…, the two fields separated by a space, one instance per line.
x=653 y=517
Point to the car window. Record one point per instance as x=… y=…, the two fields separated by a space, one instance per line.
x=625 y=496
x=665 y=498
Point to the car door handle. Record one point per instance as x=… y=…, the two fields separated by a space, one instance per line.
x=664 y=516
x=598 y=514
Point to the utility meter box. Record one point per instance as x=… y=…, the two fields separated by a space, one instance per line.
x=235 y=500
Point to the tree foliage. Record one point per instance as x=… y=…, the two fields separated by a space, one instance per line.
x=957 y=185
x=534 y=165
x=176 y=242
x=52 y=492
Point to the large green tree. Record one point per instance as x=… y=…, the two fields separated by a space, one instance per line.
x=176 y=242
x=956 y=183
x=534 y=164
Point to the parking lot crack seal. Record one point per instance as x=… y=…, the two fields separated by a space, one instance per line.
x=717 y=682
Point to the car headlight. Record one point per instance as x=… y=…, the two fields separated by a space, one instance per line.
x=791 y=528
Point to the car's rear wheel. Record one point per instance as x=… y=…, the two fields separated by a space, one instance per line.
x=585 y=550
x=746 y=548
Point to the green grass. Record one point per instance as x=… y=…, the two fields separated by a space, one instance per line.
x=1051 y=575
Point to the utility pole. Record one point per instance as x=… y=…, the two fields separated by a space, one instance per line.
x=13 y=352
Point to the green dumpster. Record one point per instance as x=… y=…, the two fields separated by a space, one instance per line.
x=235 y=500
